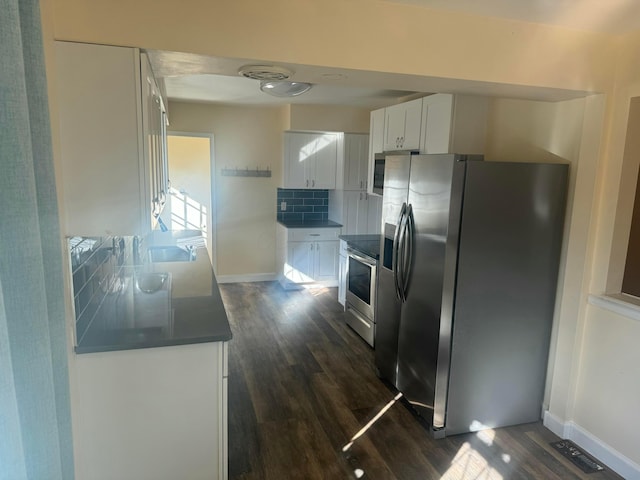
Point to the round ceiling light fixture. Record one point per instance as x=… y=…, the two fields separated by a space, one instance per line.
x=265 y=72
x=284 y=88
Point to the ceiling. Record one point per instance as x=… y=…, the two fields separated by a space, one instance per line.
x=608 y=16
x=198 y=78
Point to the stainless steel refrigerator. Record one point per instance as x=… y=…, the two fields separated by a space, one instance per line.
x=466 y=286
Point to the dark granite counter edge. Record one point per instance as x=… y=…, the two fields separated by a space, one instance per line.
x=327 y=224
x=366 y=244
x=154 y=344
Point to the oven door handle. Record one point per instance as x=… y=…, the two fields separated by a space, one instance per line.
x=366 y=261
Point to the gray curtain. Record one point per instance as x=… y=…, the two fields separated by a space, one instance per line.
x=35 y=420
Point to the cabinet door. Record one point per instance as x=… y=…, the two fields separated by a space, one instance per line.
x=394 y=125
x=437 y=113
x=322 y=172
x=374 y=215
x=298 y=153
x=412 y=126
x=363 y=213
x=356 y=160
x=350 y=218
x=301 y=258
x=154 y=143
x=326 y=267
x=342 y=280
x=376 y=142
x=99 y=99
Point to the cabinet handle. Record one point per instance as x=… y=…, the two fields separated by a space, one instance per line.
x=307 y=183
x=313 y=183
x=311 y=246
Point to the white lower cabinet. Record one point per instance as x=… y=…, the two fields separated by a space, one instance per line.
x=343 y=270
x=308 y=255
x=326 y=261
x=301 y=262
x=152 y=413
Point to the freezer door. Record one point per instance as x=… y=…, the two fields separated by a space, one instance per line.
x=396 y=184
x=435 y=188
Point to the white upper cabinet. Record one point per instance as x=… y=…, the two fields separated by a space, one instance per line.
x=376 y=143
x=154 y=131
x=112 y=140
x=356 y=161
x=310 y=160
x=453 y=124
x=402 y=126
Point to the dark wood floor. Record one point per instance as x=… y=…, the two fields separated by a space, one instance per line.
x=302 y=386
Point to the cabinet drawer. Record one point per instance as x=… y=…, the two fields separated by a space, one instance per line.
x=313 y=234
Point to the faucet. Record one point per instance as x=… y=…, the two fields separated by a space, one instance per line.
x=163 y=227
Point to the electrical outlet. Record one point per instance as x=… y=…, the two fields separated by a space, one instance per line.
x=283 y=206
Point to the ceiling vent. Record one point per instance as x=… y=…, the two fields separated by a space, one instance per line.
x=265 y=72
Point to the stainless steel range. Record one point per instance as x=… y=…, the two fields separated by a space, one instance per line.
x=362 y=274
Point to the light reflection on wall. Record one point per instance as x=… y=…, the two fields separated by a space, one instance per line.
x=186 y=213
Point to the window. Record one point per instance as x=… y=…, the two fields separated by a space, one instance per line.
x=631 y=278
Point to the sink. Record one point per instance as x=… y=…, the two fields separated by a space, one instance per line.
x=171 y=254
x=151 y=282
x=152 y=300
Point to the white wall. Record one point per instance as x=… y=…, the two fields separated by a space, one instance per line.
x=245 y=137
x=246 y=207
x=608 y=384
x=335 y=118
x=515 y=53
x=189 y=159
x=361 y=35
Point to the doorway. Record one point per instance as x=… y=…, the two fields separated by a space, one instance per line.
x=191 y=200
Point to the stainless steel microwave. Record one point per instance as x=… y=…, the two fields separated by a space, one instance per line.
x=378 y=168
x=378 y=173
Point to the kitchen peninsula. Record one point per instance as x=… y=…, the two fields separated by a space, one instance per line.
x=151 y=363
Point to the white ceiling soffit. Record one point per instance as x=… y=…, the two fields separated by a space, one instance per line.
x=243 y=91
x=608 y=16
x=199 y=78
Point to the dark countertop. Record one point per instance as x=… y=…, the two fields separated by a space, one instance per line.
x=313 y=224
x=367 y=244
x=119 y=315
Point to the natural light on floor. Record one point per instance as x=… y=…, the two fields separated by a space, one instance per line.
x=468 y=463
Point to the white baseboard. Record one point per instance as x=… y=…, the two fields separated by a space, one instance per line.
x=249 y=277
x=619 y=463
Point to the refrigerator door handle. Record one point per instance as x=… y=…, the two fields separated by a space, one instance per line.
x=402 y=252
x=394 y=254
x=407 y=260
